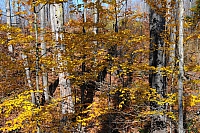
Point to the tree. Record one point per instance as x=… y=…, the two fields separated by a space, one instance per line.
x=102 y=64
x=157 y=60
x=57 y=29
x=15 y=10
x=181 y=66
x=8 y=17
x=44 y=52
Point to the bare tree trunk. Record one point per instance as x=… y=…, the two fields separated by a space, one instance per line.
x=14 y=11
x=37 y=95
x=27 y=70
x=37 y=52
x=172 y=36
x=65 y=86
x=172 y=53
x=157 y=59
x=8 y=17
x=8 y=12
x=181 y=67
x=43 y=53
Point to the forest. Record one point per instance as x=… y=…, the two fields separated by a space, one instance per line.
x=101 y=66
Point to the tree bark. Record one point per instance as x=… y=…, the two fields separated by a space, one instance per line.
x=8 y=18
x=14 y=11
x=172 y=45
x=65 y=86
x=37 y=53
x=37 y=95
x=27 y=70
x=157 y=59
x=181 y=67
x=8 y=12
x=43 y=53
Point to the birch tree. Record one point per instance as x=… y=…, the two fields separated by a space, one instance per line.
x=8 y=18
x=181 y=66
x=43 y=52
x=56 y=15
x=27 y=70
x=14 y=12
x=37 y=53
x=8 y=12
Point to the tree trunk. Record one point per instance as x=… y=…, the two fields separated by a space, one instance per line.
x=27 y=70
x=172 y=54
x=37 y=95
x=37 y=53
x=14 y=11
x=181 y=67
x=157 y=59
x=43 y=53
x=65 y=86
x=8 y=18
x=8 y=12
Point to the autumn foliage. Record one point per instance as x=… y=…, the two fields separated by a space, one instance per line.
x=108 y=71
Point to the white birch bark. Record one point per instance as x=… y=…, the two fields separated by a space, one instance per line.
x=8 y=18
x=37 y=49
x=43 y=52
x=95 y=29
x=27 y=70
x=28 y=77
x=181 y=67
x=65 y=86
x=37 y=96
x=8 y=12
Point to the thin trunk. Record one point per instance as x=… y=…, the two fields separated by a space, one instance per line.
x=116 y=17
x=8 y=12
x=181 y=67
x=8 y=17
x=84 y=16
x=125 y=16
x=14 y=11
x=95 y=29
x=52 y=14
x=172 y=38
x=37 y=50
x=172 y=45
x=157 y=59
x=33 y=98
x=37 y=95
x=27 y=70
x=43 y=53
x=21 y=22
